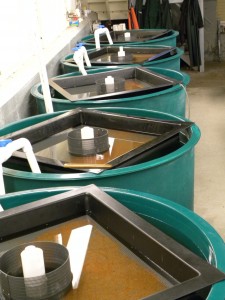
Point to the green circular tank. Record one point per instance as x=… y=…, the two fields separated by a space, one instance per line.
x=183 y=225
x=171 y=100
x=172 y=63
x=170 y=176
x=169 y=40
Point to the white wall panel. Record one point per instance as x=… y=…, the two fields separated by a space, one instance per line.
x=18 y=26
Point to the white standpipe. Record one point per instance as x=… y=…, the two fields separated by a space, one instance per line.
x=79 y=56
x=127 y=36
x=8 y=147
x=33 y=264
x=109 y=84
x=101 y=30
x=121 y=52
x=87 y=133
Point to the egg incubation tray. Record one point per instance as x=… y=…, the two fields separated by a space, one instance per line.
x=137 y=81
x=108 y=56
x=185 y=275
x=132 y=140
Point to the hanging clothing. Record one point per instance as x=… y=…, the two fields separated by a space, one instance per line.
x=190 y=22
x=166 y=15
x=152 y=16
x=139 y=12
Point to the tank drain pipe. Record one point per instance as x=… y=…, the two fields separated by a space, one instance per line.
x=80 y=55
x=101 y=30
x=8 y=147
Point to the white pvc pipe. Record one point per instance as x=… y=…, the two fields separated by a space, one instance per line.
x=7 y=151
x=97 y=34
x=79 y=56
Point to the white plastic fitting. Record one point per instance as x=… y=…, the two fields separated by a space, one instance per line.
x=98 y=32
x=80 y=55
x=127 y=36
x=33 y=266
x=110 y=84
x=32 y=262
x=121 y=52
x=7 y=151
x=87 y=133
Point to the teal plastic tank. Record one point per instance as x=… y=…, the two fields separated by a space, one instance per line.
x=183 y=225
x=172 y=63
x=170 y=176
x=170 y=40
x=171 y=100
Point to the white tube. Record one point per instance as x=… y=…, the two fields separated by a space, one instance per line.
x=2 y=185
x=97 y=34
x=7 y=151
x=24 y=144
x=86 y=58
x=77 y=247
x=79 y=60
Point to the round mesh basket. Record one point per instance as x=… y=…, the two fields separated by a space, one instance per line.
x=53 y=285
x=77 y=145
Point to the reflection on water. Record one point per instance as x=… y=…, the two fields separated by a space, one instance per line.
x=121 y=142
x=132 y=58
x=87 y=91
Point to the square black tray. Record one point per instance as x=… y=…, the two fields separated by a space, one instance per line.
x=96 y=56
x=141 y=35
x=169 y=135
x=77 y=88
x=188 y=274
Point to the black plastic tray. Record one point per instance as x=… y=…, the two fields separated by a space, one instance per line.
x=143 y=81
x=98 y=57
x=189 y=275
x=169 y=135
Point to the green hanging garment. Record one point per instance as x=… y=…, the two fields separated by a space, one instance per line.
x=190 y=22
x=152 y=15
x=166 y=15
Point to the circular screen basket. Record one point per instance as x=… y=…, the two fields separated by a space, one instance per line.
x=81 y=146
x=55 y=283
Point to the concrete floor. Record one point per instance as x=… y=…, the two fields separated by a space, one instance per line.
x=206 y=93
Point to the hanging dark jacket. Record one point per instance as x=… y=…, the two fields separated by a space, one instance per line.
x=152 y=16
x=190 y=22
x=139 y=12
x=166 y=15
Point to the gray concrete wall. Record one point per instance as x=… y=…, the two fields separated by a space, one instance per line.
x=23 y=105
